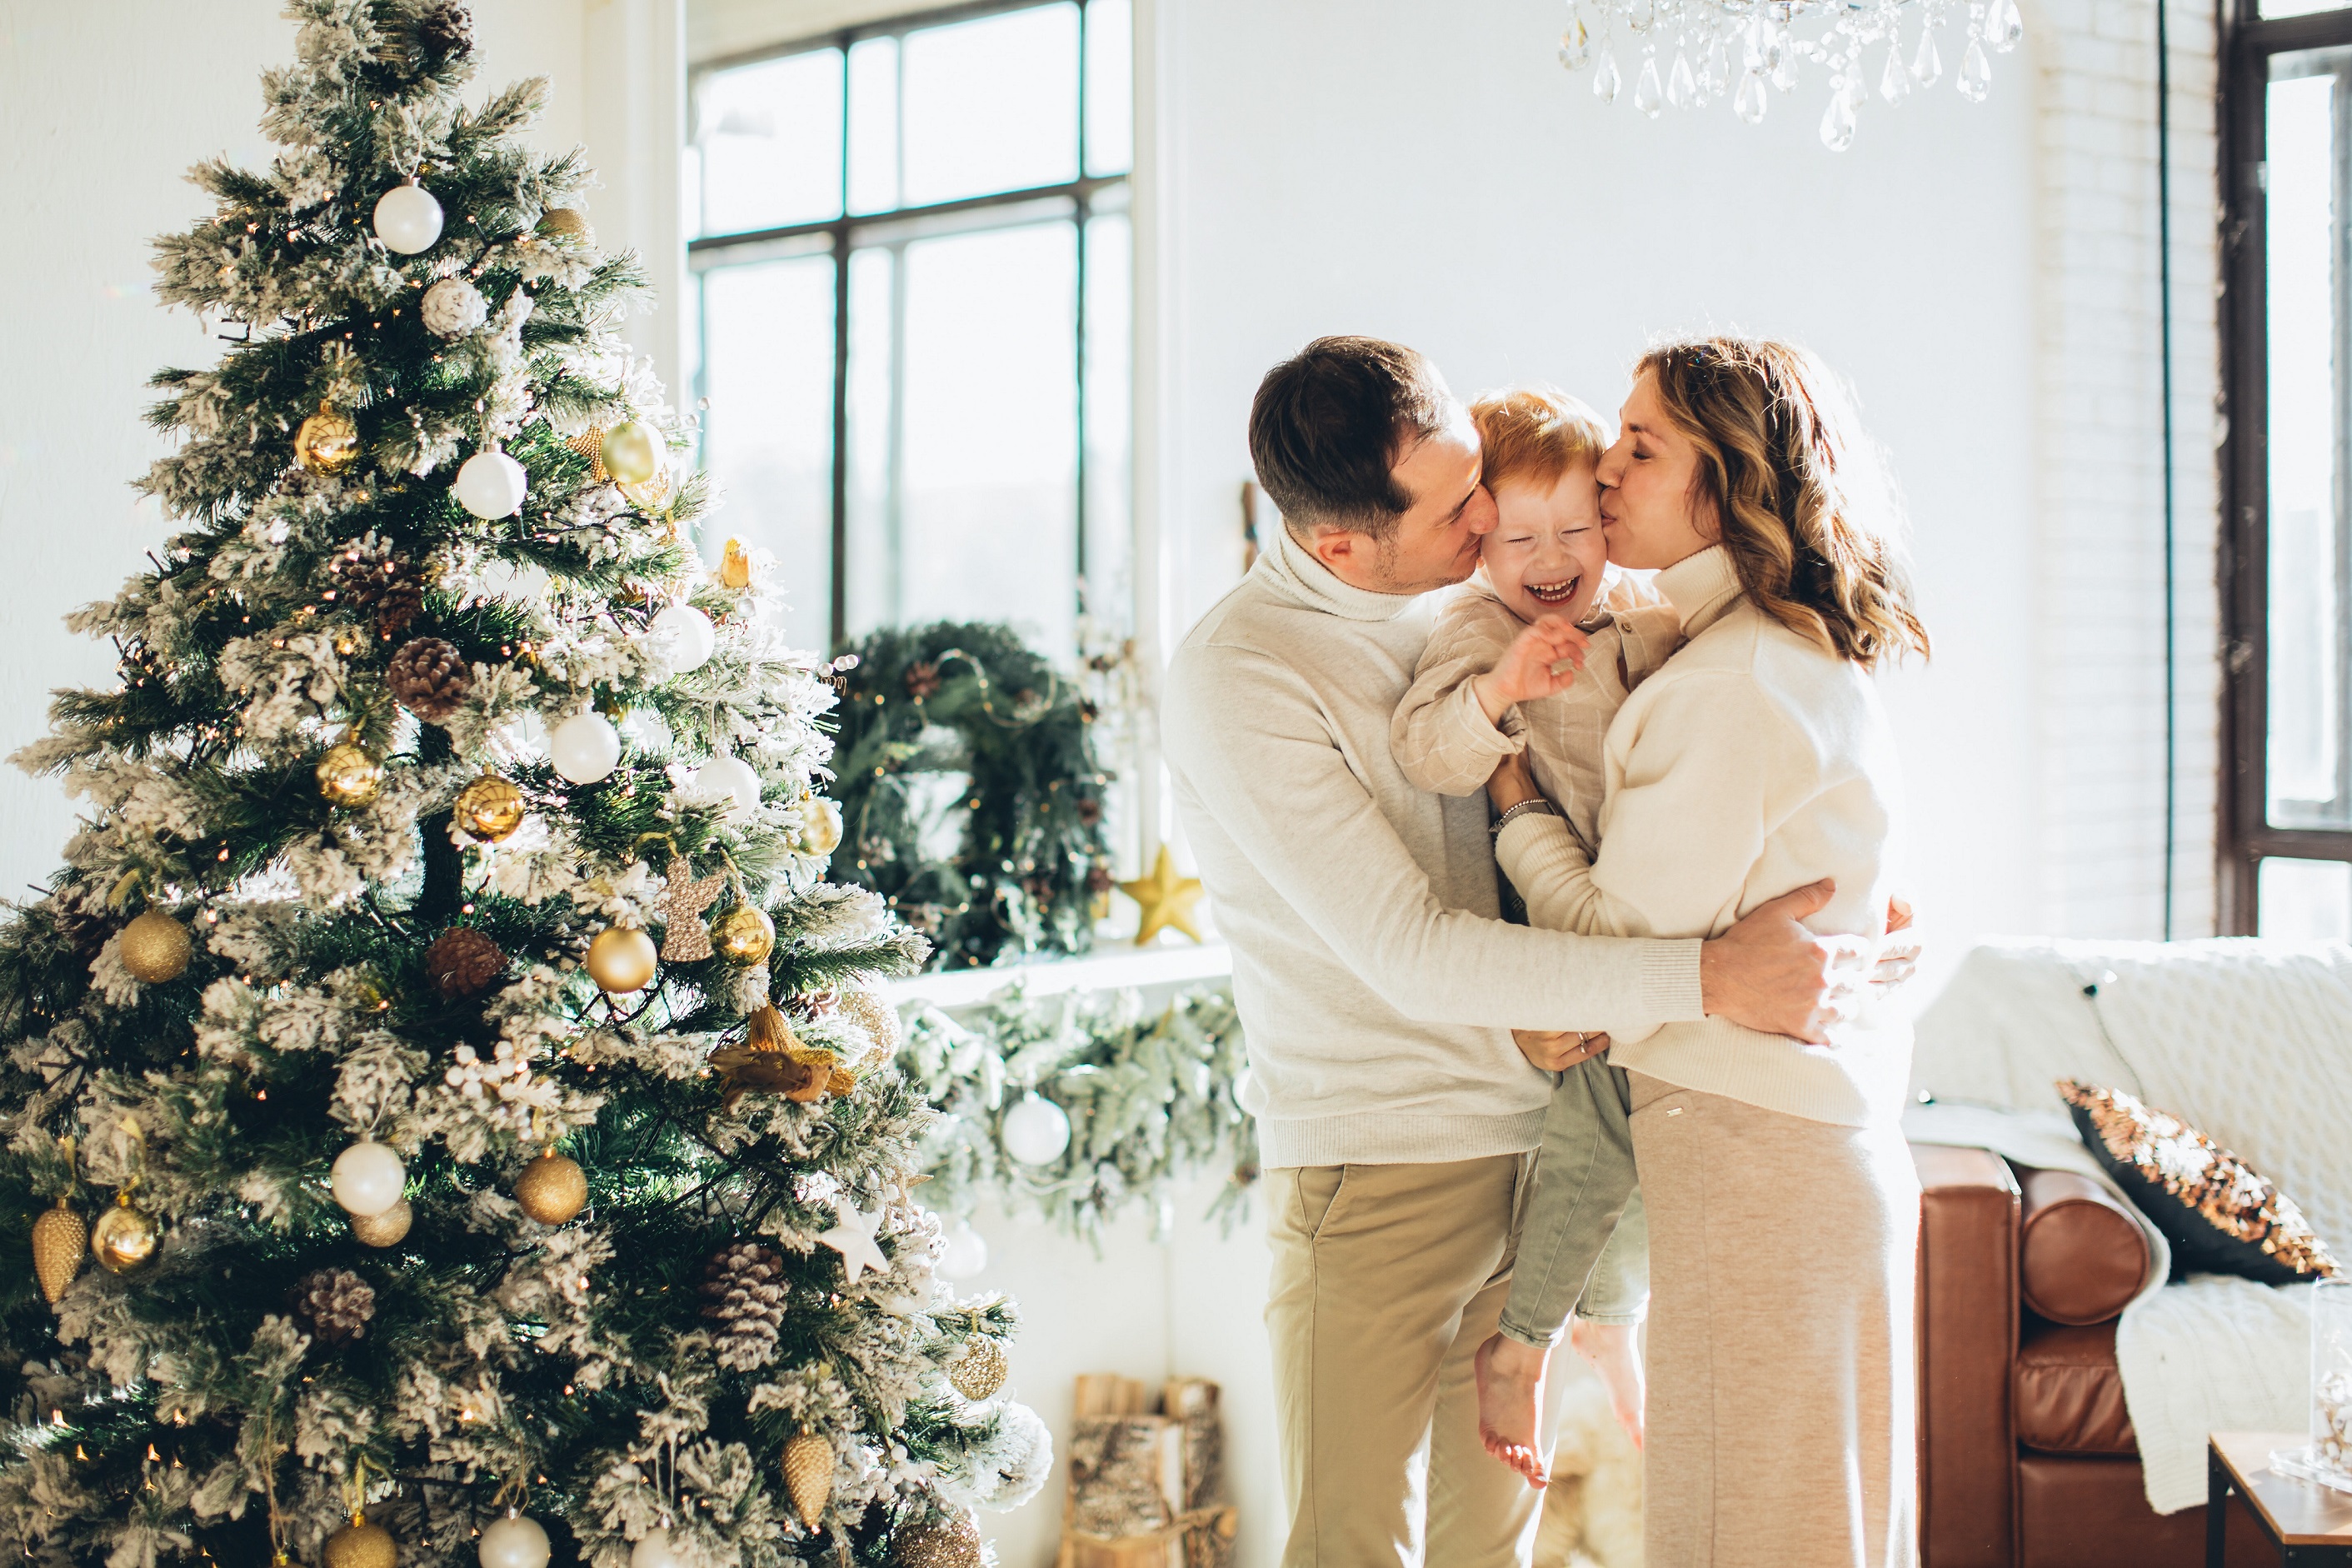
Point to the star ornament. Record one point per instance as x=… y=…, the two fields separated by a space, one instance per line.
x=853 y=1237
x=685 y=938
x=1167 y=900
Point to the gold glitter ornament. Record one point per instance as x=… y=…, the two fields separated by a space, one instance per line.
x=155 y=948
x=359 y=1544
x=878 y=1019
x=950 y=1542
x=126 y=1238
x=622 y=960
x=491 y=809
x=564 y=223
x=982 y=1369
x=552 y=1188
x=60 y=1241
x=744 y=935
x=327 y=441
x=348 y=776
x=808 y=1474
x=389 y=1228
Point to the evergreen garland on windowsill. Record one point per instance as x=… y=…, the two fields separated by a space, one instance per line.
x=1030 y=865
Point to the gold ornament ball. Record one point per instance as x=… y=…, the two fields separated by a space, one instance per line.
x=950 y=1542
x=982 y=1371
x=632 y=452
x=348 y=776
x=491 y=809
x=327 y=441
x=155 y=948
x=386 y=1230
x=126 y=1238
x=359 y=1544
x=808 y=1476
x=60 y=1241
x=744 y=935
x=564 y=223
x=820 y=826
x=622 y=960
x=552 y=1189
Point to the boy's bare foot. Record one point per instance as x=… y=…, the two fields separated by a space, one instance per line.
x=1510 y=1397
x=1616 y=1351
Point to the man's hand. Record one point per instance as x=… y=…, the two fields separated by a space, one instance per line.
x=1525 y=671
x=1768 y=972
x=1557 y=1050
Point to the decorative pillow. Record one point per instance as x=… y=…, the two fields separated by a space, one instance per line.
x=2220 y=1216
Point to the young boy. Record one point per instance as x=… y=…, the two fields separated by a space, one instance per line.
x=1535 y=655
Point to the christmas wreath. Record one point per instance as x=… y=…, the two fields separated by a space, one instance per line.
x=970 y=795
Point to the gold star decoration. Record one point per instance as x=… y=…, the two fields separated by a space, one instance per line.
x=685 y=938
x=1166 y=899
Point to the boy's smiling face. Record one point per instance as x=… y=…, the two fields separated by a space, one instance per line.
x=1547 y=553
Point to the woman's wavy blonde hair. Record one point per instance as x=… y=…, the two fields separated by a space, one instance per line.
x=1811 y=531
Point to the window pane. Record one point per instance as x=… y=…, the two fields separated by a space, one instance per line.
x=1110 y=588
x=2298 y=7
x=873 y=565
x=768 y=434
x=1110 y=88
x=992 y=105
x=874 y=125
x=2309 y=763
x=989 y=429
x=771 y=139
x=2306 y=900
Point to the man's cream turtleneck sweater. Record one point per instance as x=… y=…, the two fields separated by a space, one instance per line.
x=1376 y=987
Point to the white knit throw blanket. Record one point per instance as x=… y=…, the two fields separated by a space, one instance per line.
x=2249 y=1041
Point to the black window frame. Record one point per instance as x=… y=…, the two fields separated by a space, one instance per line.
x=843 y=232
x=2248 y=42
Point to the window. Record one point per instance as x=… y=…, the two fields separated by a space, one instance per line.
x=2288 y=178
x=911 y=245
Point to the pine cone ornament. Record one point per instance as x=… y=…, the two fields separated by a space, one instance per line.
x=808 y=1476
x=335 y=1303
x=922 y=680
x=748 y=1294
x=429 y=678
x=452 y=308
x=446 y=32
x=368 y=579
x=463 y=962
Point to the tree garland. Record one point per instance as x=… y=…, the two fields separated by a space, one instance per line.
x=927 y=705
x=1151 y=1098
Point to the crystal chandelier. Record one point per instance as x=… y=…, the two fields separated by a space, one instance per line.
x=1744 y=49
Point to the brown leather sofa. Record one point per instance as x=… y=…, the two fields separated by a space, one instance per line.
x=2027 y=1458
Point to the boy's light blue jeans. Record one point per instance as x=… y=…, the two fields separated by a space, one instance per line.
x=1583 y=1246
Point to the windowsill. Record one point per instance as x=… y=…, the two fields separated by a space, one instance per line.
x=1118 y=968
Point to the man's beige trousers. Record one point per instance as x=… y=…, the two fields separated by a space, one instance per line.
x=1386 y=1280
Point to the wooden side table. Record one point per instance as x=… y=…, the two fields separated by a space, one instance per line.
x=2308 y=1523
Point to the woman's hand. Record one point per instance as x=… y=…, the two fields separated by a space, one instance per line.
x=1557 y=1050
x=1512 y=784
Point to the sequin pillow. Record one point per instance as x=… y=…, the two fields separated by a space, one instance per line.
x=2221 y=1215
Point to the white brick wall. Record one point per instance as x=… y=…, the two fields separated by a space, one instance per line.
x=2100 y=473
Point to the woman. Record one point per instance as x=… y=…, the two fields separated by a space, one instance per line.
x=1783 y=1204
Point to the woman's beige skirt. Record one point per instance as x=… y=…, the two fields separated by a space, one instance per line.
x=1781 y=1395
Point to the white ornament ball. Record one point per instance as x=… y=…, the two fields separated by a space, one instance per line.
x=515 y=1542
x=407 y=219
x=964 y=1253
x=730 y=776
x=1036 y=1131
x=367 y=1178
x=452 y=308
x=586 y=748
x=690 y=635
x=653 y=1550
x=492 y=485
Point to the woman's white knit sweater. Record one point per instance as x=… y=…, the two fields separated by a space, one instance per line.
x=1753 y=762
x=1374 y=983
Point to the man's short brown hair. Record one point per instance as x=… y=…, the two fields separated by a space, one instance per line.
x=1533 y=434
x=1329 y=423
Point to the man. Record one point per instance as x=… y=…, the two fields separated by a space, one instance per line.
x=1376 y=984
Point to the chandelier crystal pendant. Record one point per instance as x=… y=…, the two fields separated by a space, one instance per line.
x=1693 y=53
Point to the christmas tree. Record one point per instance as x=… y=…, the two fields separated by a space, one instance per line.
x=448 y=1112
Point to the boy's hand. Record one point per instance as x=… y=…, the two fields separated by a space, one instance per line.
x=1525 y=671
